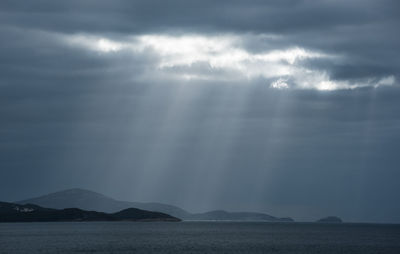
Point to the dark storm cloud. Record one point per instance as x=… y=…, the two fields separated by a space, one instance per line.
x=363 y=32
x=74 y=117
x=257 y=16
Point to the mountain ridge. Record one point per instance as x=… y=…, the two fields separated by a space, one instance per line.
x=90 y=200
x=12 y=212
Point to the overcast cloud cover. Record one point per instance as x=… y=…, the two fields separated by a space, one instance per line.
x=284 y=107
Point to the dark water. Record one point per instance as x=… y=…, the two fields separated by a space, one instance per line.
x=198 y=237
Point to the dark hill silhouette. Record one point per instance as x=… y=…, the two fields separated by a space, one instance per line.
x=141 y=215
x=10 y=212
x=89 y=200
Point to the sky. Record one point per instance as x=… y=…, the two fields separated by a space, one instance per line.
x=285 y=107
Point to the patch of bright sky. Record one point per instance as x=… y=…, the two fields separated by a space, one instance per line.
x=223 y=53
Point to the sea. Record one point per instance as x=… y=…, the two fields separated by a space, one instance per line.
x=198 y=237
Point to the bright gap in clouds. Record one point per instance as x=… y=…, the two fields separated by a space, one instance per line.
x=197 y=57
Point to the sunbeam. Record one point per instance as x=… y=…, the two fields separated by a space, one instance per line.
x=278 y=111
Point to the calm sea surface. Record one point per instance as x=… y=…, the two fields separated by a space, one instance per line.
x=198 y=237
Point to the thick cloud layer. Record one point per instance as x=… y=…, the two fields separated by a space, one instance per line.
x=362 y=35
x=286 y=107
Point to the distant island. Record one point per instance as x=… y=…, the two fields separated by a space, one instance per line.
x=11 y=212
x=330 y=219
x=221 y=215
x=93 y=201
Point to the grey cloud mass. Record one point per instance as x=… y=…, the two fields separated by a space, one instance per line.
x=87 y=100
